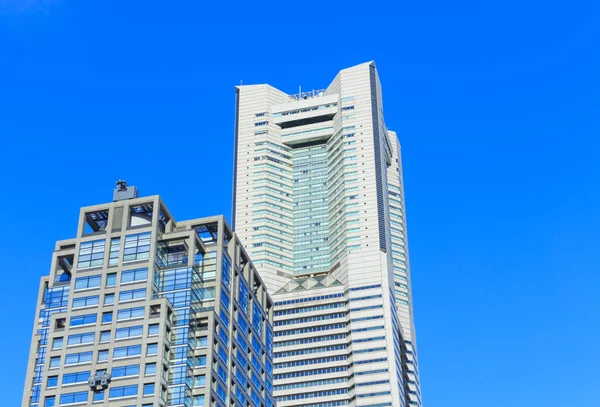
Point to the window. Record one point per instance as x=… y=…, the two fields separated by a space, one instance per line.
x=111 y=279
x=98 y=396
x=85 y=301
x=153 y=330
x=107 y=317
x=226 y=272
x=78 y=358
x=55 y=361
x=78 y=377
x=57 y=343
x=200 y=361
x=131 y=295
x=150 y=369
x=52 y=381
x=124 y=371
x=201 y=342
x=109 y=299
x=200 y=381
x=103 y=356
x=83 y=283
x=73 y=398
x=257 y=319
x=50 y=401
x=137 y=247
x=129 y=332
x=243 y=296
x=122 y=392
x=104 y=336
x=127 y=351
x=152 y=349
x=115 y=247
x=131 y=276
x=130 y=313
x=91 y=254
x=225 y=300
x=80 y=339
x=148 y=389
x=81 y=320
x=198 y=401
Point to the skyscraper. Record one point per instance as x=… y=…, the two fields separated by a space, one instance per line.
x=319 y=205
x=143 y=310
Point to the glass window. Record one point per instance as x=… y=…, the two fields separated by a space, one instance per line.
x=129 y=276
x=50 y=401
x=111 y=279
x=201 y=342
x=129 y=332
x=98 y=396
x=85 y=301
x=148 y=389
x=226 y=272
x=78 y=358
x=124 y=391
x=200 y=381
x=200 y=361
x=107 y=317
x=152 y=349
x=104 y=336
x=52 y=381
x=72 y=398
x=91 y=254
x=83 y=320
x=109 y=299
x=115 y=247
x=80 y=339
x=77 y=377
x=127 y=351
x=225 y=300
x=150 y=369
x=83 y=283
x=243 y=296
x=153 y=329
x=137 y=247
x=103 y=356
x=131 y=295
x=198 y=401
x=130 y=313
x=257 y=319
x=57 y=343
x=124 y=371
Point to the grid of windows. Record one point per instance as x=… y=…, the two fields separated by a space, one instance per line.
x=137 y=247
x=91 y=254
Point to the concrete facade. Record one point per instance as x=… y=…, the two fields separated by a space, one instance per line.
x=319 y=205
x=173 y=310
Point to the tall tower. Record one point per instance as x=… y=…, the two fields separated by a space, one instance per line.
x=319 y=205
x=142 y=310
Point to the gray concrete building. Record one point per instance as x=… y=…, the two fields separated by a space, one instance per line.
x=319 y=205
x=142 y=310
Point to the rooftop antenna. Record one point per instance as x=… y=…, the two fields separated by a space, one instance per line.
x=240 y=82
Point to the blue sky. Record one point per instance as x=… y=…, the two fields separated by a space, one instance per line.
x=496 y=104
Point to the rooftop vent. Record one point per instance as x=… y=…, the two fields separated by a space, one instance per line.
x=122 y=192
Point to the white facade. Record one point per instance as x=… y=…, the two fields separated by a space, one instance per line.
x=319 y=205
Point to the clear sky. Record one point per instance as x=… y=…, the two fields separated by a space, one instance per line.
x=497 y=106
